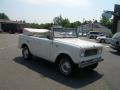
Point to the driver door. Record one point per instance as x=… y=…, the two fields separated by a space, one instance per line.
x=42 y=47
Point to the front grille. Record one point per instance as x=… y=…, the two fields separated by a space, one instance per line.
x=90 y=52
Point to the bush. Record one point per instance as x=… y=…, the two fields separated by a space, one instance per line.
x=110 y=35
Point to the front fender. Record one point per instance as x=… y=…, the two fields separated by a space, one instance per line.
x=72 y=52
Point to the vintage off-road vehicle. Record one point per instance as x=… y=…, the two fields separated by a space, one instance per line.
x=66 y=50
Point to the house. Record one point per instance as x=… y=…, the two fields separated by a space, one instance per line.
x=101 y=28
x=11 y=26
x=94 y=26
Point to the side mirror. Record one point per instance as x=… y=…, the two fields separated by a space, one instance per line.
x=48 y=37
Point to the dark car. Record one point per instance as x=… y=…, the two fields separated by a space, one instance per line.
x=115 y=43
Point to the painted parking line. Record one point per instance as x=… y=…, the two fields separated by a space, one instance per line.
x=1 y=48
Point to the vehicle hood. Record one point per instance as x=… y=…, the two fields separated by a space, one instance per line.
x=78 y=42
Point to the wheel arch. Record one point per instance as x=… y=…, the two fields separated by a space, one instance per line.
x=24 y=45
x=103 y=40
x=63 y=55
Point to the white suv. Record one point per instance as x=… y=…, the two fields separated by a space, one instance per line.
x=93 y=34
x=66 y=51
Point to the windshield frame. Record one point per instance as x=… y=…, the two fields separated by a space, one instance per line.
x=65 y=36
x=116 y=35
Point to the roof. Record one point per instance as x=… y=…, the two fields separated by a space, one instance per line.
x=32 y=31
x=95 y=26
x=9 y=21
x=102 y=28
x=36 y=30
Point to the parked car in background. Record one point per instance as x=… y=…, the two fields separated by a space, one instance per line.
x=103 y=39
x=93 y=34
x=82 y=34
x=68 y=52
x=115 y=43
x=62 y=33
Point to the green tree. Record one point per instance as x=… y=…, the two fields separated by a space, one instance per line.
x=76 y=24
x=65 y=22
x=46 y=25
x=34 y=25
x=58 y=20
x=4 y=16
x=41 y=26
x=106 y=22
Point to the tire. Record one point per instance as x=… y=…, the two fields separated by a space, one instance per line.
x=65 y=66
x=26 y=53
x=118 y=51
x=102 y=41
x=91 y=37
x=91 y=67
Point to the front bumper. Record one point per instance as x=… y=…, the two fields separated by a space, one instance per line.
x=98 y=40
x=89 y=62
x=115 y=47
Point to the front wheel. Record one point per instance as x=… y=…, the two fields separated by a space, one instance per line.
x=65 y=66
x=118 y=51
x=26 y=53
x=91 y=37
x=102 y=41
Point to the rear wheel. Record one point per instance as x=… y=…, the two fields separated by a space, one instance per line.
x=65 y=66
x=26 y=53
x=102 y=41
x=91 y=37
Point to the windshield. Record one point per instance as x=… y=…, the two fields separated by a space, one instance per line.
x=94 y=32
x=65 y=33
x=116 y=35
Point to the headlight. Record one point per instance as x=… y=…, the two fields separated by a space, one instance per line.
x=81 y=53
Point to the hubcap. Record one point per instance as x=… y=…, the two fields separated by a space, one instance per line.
x=102 y=41
x=25 y=53
x=65 y=67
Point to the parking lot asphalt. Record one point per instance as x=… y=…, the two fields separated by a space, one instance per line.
x=18 y=74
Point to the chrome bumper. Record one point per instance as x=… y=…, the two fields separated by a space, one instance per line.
x=89 y=62
x=115 y=47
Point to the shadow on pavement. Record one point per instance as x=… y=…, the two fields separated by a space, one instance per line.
x=48 y=70
x=115 y=52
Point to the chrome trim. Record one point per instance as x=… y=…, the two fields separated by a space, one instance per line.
x=89 y=62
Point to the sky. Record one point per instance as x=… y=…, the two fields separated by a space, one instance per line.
x=43 y=11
